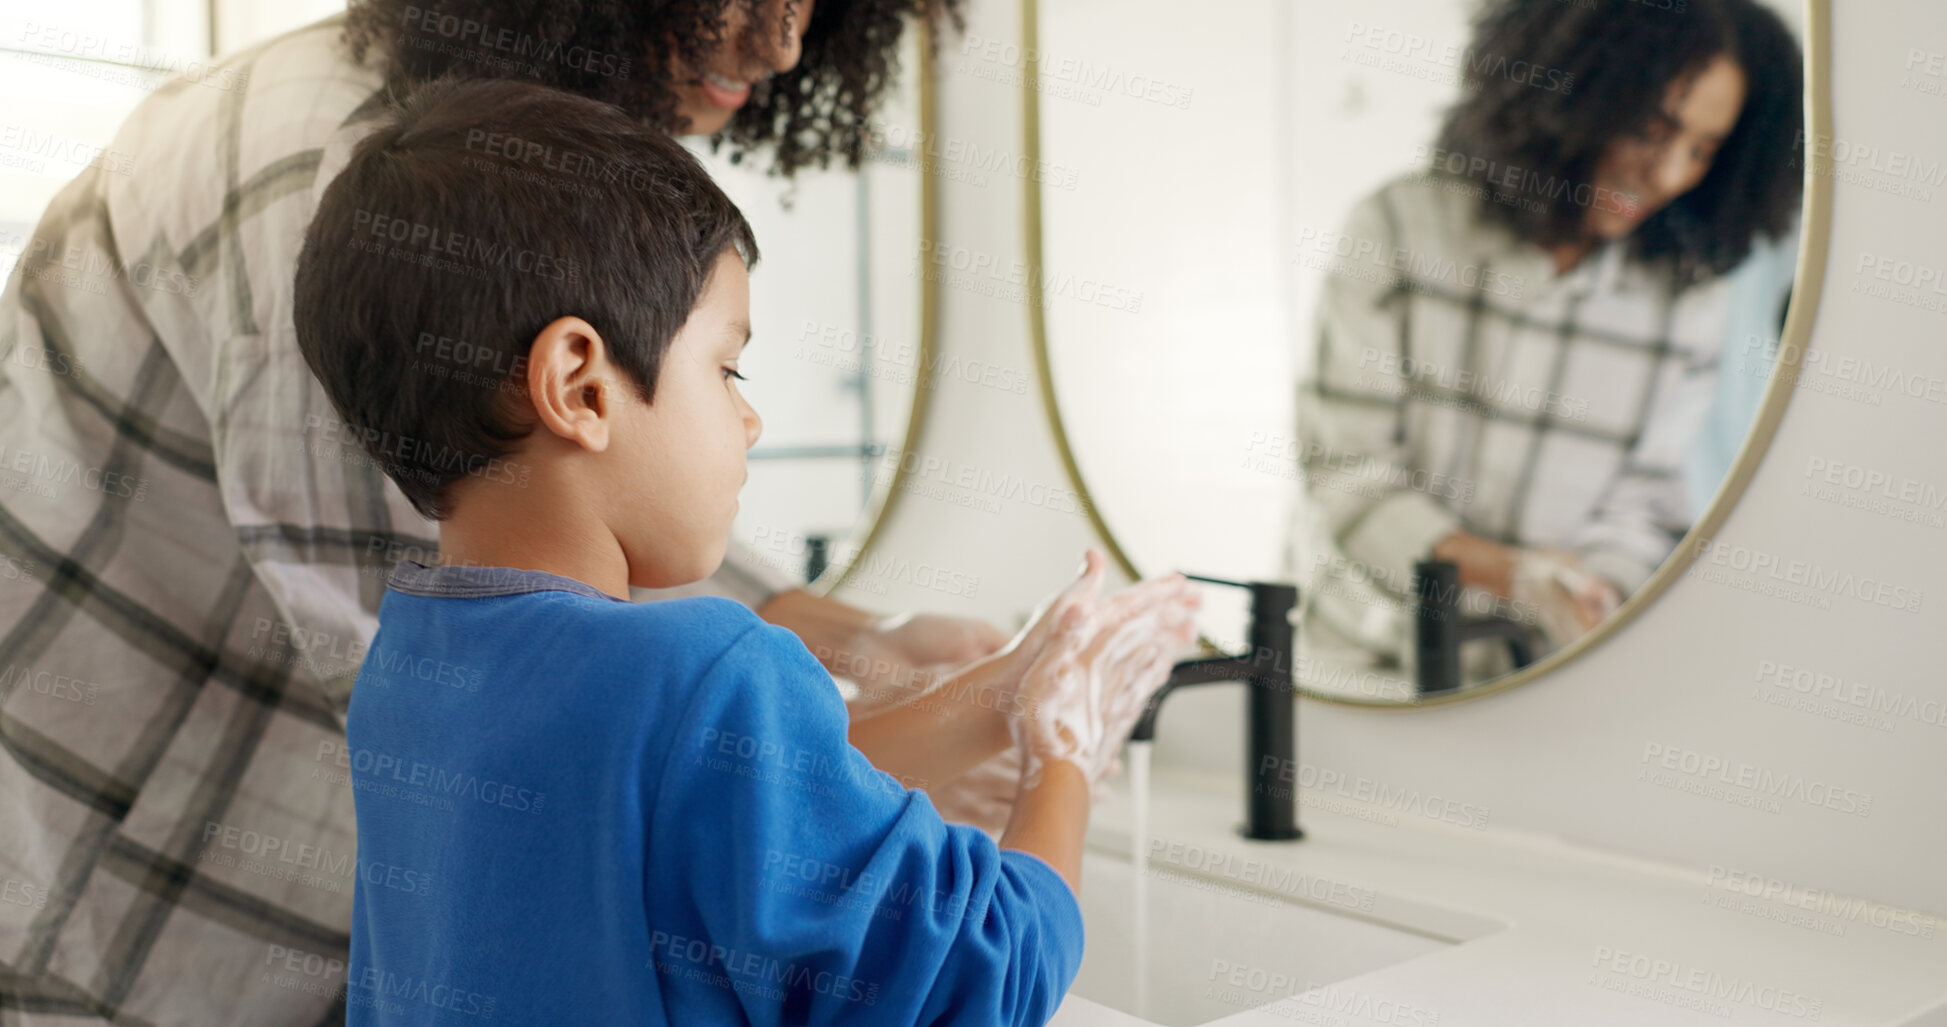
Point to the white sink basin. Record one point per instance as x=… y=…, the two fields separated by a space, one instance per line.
x=1198 y=947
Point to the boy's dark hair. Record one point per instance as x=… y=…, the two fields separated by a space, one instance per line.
x=1610 y=62
x=480 y=212
x=619 y=51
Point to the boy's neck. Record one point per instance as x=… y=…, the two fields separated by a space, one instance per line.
x=498 y=525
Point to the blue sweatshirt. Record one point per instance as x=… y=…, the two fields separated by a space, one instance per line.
x=578 y=810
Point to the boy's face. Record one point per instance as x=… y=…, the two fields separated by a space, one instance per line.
x=681 y=456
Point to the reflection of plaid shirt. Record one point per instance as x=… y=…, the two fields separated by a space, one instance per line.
x=192 y=553
x=1461 y=384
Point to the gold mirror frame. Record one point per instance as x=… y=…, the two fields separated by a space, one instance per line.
x=1808 y=285
x=887 y=499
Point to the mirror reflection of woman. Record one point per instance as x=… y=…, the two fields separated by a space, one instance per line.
x=1517 y=353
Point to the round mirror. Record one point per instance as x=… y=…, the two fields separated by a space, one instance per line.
x=1458 y=315
x=833 y=365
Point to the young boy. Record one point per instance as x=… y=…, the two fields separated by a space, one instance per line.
x=577 y=809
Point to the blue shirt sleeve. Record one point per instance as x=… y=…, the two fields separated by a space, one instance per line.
x=820 y=890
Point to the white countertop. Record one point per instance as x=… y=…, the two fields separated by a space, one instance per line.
x=1561 y=934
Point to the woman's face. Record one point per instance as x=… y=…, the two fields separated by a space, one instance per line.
x=753 y=48
x=1674 y=154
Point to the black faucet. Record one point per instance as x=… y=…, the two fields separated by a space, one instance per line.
x=1440 y=629
x=1271 y=752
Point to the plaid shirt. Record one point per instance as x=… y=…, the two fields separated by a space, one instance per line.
x=1460 y=383
x=192 y=554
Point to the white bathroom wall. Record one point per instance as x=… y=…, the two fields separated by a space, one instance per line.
x=1797 y=790
x=986 y=522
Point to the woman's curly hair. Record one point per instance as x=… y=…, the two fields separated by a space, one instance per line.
x=622 y=52
x=1611 y=63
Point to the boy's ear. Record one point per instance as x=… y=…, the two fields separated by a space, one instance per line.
x=568 y=383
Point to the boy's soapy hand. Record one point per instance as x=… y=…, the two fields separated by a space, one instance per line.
x=984 y=796
x=1097 y=669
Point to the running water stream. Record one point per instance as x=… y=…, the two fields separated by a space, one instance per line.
x=1138 y=753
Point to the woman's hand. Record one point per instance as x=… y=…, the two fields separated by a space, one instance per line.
x=932 y=640
x=893 y=659
x=1568 y=600
x=899 y=658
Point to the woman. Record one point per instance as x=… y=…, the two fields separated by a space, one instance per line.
x=1514 y=358
x=212 y=565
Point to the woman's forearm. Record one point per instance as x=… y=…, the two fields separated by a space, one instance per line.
x=940 y=735
x=1483 y=563
x=827 y=626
